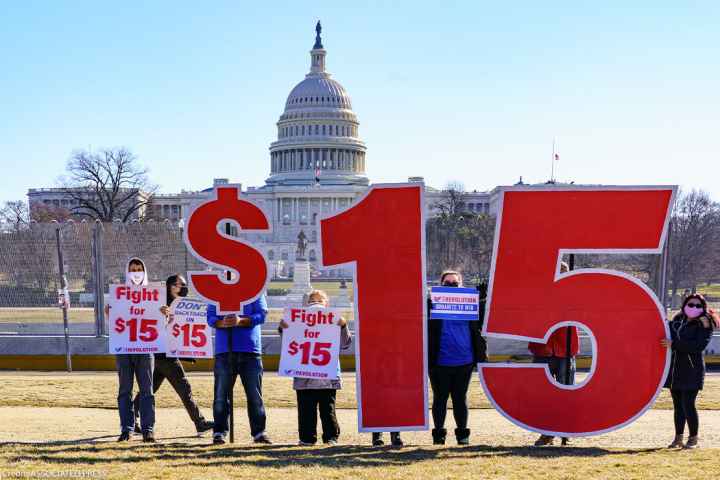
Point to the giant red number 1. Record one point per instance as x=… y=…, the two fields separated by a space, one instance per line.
x=529 y=299
x=383 y=236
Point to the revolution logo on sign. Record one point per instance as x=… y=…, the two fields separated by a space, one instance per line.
x=454 y=303
x=310 y=343
x=136 y=323
x=188 y=332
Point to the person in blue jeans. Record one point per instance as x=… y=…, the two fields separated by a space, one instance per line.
x=134 y=366
x=245 y=360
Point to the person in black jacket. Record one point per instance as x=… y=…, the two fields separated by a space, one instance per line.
x=171 y=369
x=454 y=348
x=690 y=332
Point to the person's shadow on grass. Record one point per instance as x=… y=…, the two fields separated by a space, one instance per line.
x=273 y=456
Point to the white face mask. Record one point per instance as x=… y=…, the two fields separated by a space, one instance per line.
x=136 y=278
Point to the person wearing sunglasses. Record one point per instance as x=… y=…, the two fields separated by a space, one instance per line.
x=171 y=368
x=690 y=332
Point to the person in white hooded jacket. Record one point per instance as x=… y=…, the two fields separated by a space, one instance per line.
x=136 y=365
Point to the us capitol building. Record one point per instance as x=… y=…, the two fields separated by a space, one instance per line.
x=317 y=168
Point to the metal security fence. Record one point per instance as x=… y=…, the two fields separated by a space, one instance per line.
x=94 y=256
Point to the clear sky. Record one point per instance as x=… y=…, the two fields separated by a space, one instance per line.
x=472 y=91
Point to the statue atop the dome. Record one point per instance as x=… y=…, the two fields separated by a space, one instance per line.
x=318 y=40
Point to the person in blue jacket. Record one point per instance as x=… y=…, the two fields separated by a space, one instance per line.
x=246 y=362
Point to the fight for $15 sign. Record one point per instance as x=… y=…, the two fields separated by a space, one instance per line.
x=188 y=332
x=454 y=303
x=311 y=343
x=135 y=321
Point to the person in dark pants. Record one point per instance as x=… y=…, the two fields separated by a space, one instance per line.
x=690 y=333
x=247 y=363
x=454 y=348
x=554 y=354
x=395 y=439
x=319 y=394
x=135 y=366
x=171 y=368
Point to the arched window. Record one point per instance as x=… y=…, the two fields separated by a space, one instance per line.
x=271 y=255
x=317 y=129
x=303 y=130
x=323 y=130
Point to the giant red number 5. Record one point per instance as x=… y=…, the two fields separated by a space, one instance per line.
x=529 y=299
x=383 y=236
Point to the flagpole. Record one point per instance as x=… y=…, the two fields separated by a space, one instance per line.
x=552 y=160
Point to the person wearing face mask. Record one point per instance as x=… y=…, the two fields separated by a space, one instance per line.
x=171 y=368
x=454 y=347
x=135 y=365
x=690 y=332
x=318 y=394
x=554 y=354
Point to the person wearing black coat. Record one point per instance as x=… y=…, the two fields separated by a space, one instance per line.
x=171 y=369
x=451 y=359
x=690 y=333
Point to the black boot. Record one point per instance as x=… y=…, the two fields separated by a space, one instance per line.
x=377 y=440
x=395 y=439
x=439 y=435
x=463 y=436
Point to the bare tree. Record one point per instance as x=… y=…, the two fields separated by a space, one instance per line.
x=15 y=215
x=456 y=237
x=694 y=240
x=41 y=213
x=107 y=185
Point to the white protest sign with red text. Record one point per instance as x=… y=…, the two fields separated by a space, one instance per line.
x=310 y=343
x=188 y=332
x=136 y=324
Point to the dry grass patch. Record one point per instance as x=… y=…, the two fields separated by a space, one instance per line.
x=99 y=390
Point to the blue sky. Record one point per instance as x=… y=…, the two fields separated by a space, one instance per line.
x=473 y=91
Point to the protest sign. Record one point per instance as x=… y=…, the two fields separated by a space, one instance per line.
x=188 y=332
x=382 y=238
x=310 y=343
x=454 y=303
x=529 y=298
x=136 y=324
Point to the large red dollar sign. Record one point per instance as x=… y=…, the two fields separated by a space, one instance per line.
x=211 y=245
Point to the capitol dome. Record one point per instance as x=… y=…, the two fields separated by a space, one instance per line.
x=318 y=90
x=317 y=140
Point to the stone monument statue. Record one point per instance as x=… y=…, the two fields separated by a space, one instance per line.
x=302 y=244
